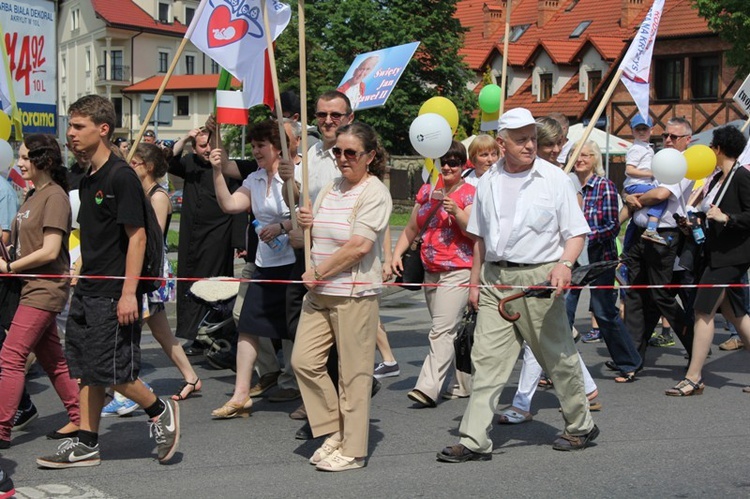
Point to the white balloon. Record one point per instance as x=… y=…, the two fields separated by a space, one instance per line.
x=430 y=135
x=669 y=166
x=6 y=154
x=75 y=204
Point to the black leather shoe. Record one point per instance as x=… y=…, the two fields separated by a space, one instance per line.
x=460 y=454
x=222 y=359
x=567 y=442
x=611 y=365
x=195 y=349
x=304 y=433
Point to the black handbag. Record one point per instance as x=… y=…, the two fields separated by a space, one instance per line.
x=464 y=340
x=10 y=289
x=411 y=260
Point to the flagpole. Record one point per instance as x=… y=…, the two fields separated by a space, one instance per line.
x=303 y=119
x=504 y=76
x=744 y=127
x=159 y=93
x=600 y=108
x=277 y=100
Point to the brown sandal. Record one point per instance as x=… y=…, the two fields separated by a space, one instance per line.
x=685 y=388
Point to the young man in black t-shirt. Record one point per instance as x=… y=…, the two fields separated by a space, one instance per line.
x=103 y=331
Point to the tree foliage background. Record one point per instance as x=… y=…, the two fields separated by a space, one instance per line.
x=337 y=31
x=731 y=20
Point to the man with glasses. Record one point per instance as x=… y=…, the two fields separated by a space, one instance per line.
x=653 y=264
x=529 y=229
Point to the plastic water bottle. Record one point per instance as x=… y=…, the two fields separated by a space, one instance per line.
x=698 y=234
x=275 y=243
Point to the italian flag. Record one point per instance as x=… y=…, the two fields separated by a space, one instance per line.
x=230 y=107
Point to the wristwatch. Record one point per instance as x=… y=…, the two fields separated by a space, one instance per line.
x=283 y=230
x=567 y=263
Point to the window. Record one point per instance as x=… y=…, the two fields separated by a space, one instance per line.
x=545 y=87
x=164 y=12
x=183 y=105
x=117 y=103
x=595 y=78
x=163 y=62
x=75 y=19
x=117 y=72
x=704 y=77
x=517 y=31
x=580 y=29
x=88 y=62
x=215 y=68
x=668 y=78
x=189 y=14
x=63 y=69
x=189 y=64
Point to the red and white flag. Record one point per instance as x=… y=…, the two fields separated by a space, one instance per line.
x=230 y=107
x=636 y=65
x=16 y=178
x=232 y=33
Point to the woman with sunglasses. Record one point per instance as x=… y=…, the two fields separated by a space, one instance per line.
x=447 y=254
x=341 y=307
x=40 y=238
x=264 y=307
x=150 y=164
x=727 y=256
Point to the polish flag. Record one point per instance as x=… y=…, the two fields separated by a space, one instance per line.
x=15 y=177
x=230 y=107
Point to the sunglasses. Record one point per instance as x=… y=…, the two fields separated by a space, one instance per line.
x=453 y=163
x=672 y=136
x=349 y=154
x=334 y=116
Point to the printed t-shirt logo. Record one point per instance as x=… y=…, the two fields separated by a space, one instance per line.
x=99 y=197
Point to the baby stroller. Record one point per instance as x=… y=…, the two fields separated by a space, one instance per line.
x=216 y=329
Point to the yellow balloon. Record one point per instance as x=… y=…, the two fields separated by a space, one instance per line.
x=701 y=161
x=444 y=107
x=4 y=126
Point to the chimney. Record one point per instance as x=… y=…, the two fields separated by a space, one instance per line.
x=630 y=10
x=494 y=17
x=547 y=9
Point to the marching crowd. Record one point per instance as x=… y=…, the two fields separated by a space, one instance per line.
x=507 y=214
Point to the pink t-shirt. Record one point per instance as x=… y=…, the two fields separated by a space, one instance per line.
x=444 y=246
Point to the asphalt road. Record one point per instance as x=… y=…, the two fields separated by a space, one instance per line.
x=650 y=445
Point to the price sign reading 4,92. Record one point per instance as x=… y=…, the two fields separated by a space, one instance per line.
x=27 y=59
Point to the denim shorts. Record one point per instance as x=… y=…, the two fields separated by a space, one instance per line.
x=99 y=350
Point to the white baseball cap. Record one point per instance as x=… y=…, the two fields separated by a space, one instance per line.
x=516 y=118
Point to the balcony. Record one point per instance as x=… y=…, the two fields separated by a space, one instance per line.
x=116 y=74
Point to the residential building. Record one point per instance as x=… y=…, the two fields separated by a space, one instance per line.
x=109 y=47
x=563 y=54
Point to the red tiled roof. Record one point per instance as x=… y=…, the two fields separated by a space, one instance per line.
x=179 y=83
x=681 y=19
x=560 y=51
x=609 y=48
x=568 y=101
x=127 y=14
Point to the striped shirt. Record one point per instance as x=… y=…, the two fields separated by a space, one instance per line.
x=332 y=230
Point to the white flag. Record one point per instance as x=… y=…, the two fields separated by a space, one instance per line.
x=636 y=65
x=232 y=33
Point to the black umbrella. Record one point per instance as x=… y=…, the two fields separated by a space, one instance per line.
x=580 y=276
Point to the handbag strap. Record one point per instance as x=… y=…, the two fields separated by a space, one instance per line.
x=427 y=221
x=725 y=186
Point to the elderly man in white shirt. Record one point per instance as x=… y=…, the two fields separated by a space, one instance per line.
x=530 y=229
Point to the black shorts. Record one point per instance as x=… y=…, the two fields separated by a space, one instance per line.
x=706 y=299
x=101 y=352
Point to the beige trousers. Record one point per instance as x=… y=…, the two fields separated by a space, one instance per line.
x=544 y=326
x=352 y=324
x=446 y=306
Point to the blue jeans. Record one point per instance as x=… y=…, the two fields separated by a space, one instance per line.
x=604 y=306
x=656 y=210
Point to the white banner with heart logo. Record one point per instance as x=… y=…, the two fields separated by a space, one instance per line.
x=231 y=32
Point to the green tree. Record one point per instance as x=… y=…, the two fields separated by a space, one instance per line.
x=338 y=30
x=730 y=19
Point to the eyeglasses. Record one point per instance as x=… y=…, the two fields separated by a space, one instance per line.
x=673 y=137
x=349 y=154
x=453 y=163
x=585 y=155
x=334 y=116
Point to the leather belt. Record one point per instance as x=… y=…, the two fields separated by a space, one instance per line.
x=513 y=264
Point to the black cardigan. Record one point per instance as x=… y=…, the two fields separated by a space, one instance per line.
x=730 y=244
